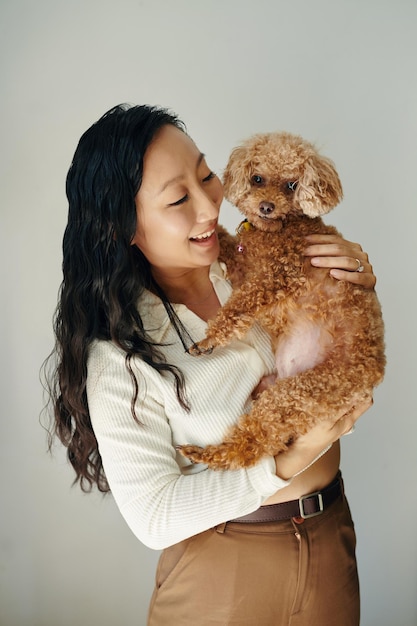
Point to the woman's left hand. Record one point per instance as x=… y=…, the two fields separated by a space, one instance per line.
x=346 y=260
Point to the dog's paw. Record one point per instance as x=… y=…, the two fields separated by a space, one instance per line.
x=202 y=347
x=216 y=457
x=193 y=453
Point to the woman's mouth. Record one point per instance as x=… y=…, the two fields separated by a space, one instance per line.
x=204 y=236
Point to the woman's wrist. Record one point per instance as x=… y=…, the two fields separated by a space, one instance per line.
x=322 y=453
x=297 y=460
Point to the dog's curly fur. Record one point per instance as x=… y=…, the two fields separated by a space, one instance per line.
x=327 y=334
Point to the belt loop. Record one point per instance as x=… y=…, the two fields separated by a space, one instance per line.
x=220 y=528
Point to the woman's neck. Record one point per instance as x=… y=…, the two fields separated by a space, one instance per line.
x=185 y=286
x=192 y=288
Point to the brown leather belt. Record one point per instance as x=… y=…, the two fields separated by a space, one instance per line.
x=307 y=506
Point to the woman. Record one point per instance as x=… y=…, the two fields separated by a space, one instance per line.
x=141 y=279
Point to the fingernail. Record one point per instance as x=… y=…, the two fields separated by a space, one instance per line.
x=336 y=273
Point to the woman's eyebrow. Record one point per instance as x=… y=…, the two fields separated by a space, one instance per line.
x=178 y=178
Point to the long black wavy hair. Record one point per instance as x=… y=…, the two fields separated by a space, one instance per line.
x=103 y=275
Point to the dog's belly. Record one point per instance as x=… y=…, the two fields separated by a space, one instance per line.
x=303 y=345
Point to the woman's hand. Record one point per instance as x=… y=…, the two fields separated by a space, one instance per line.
x=307 y=448
x=346 y=260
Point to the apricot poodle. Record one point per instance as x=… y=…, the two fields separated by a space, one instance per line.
x=328 y=335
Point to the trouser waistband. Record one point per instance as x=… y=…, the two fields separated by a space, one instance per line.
x=307 y=506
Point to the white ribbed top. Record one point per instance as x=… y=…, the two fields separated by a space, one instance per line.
x=163 y=498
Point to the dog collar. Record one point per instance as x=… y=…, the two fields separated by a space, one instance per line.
x=244 y=226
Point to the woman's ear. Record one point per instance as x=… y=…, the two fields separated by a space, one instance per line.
x=319 y=188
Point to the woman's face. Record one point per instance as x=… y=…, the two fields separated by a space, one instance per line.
x=177 y=205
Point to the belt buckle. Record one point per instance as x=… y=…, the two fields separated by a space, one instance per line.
x=319 y=496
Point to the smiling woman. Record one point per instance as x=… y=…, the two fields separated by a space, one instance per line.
x=141 y=277
x=177 y=211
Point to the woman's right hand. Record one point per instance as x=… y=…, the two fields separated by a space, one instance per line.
x=307 y=448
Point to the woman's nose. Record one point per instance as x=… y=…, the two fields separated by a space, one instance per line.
x=208 y=205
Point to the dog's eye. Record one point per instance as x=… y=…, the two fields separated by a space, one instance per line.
x=257 y=180
x=291 y=185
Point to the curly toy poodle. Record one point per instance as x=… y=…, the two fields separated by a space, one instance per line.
x=328 y=335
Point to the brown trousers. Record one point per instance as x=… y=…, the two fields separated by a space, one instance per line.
x=263 y=574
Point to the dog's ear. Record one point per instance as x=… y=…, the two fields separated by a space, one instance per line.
x=319 y=188
x=237 y=175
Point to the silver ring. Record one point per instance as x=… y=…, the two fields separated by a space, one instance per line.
x=351 y=431
x=360 y=267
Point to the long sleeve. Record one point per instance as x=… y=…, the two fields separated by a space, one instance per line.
x=162 y=498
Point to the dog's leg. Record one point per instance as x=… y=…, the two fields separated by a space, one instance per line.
x=234 y=319
x=266 y=430
x=286 y=410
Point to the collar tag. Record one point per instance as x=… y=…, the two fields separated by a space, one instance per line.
x=244 y=226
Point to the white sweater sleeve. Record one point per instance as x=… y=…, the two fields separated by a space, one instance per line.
x=161 y=505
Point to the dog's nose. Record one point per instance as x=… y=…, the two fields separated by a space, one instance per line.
x=266 y=207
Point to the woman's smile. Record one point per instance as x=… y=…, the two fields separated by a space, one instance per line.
x=204 y=237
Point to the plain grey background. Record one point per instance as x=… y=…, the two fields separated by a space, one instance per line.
x=340 y=72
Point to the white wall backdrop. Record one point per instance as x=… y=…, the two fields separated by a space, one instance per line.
x=340 y=72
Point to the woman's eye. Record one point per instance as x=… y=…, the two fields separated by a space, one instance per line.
x=206 y=179
x=180 y=201
x=209 y=177
x=257 y=180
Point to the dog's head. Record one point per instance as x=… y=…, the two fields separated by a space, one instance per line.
x=276 y=174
